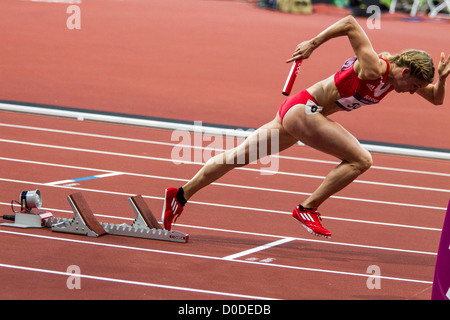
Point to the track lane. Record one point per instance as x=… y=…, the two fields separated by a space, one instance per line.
x=353 y=246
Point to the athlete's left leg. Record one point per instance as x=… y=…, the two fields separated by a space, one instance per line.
x=273 y=133
x=272 y=136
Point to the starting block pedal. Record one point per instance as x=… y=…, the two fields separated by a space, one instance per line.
x=144 y=216
x=83 y=223
x=144 y=226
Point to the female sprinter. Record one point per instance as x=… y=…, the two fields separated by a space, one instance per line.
x=363 y=80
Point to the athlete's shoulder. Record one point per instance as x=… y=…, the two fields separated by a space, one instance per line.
x=374 y=73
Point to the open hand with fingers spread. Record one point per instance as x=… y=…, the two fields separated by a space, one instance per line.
x=444 y=67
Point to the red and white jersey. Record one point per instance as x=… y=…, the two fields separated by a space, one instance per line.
x=356 y=92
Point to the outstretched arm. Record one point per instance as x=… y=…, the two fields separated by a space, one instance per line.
x=435 y=93
x=371 y=67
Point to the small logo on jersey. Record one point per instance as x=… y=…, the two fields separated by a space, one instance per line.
x=378 y=91
x=370 y=86
x=348 y=63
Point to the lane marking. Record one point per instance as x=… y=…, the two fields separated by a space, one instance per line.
x=207 y=148
x=244 y=187
x=201 y=163
x=209 y=203
x=57 y=1
x=272 y=265
x=98 y=176
x=274 y=235
x=260 y=248
x=172 y=125
x=131 y=282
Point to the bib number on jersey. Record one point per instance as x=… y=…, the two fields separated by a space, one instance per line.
x=353 y=102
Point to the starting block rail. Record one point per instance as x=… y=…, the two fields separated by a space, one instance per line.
x=84 y=222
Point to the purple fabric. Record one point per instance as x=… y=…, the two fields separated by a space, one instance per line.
x=441 y=283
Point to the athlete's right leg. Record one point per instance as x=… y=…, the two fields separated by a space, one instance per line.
x=330 y=137
x=323 y=134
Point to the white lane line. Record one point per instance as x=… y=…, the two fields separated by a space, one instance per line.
x=208 y=203
x=131 y=282
x=260 y=170
x=266 y=189
x=215 y=183
x=170 y=125
x=325 y=242
x=260 y=248
x=273 y=265
x=328 y=242
x=98 y=176
x=57 y=1
x=208 y=148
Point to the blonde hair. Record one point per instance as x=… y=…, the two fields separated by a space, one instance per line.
x=418 y=62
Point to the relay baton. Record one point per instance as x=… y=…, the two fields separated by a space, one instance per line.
x=291 y=77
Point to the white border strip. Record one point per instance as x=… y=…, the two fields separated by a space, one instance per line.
x=79 y=115
x=57 y=1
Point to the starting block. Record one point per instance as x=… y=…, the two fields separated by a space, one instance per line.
x=144 y=226
x=84 y=222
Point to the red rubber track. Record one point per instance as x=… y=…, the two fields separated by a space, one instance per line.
x=214 y=61
x=168 y=64
x=304 y=268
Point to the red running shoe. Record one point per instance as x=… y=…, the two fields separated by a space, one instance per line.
x=310 y=219
x=172 y=208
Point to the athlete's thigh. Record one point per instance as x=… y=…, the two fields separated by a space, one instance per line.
x=323 y=134
x=272 y=137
